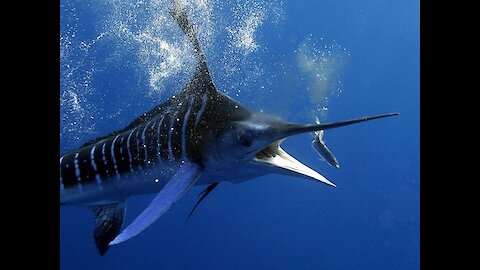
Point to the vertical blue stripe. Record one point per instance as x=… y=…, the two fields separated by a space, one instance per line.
x=94 y=166
x=137 y=140
x=77 y=168
x=202 y=108
x=112 y=152
x=144 y=143
x=104 y=158
x=184 y=129
x=92 y=159
x=170 y=131
x=121 y=146
x=128 y=150
x=159 y=132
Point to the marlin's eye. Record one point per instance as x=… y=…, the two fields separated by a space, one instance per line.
x=245 y=138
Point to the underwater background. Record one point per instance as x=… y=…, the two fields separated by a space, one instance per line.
x=333 y=59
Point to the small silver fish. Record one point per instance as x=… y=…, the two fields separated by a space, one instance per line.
x=319 y=145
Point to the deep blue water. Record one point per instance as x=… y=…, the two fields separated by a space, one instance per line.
x=370 y=221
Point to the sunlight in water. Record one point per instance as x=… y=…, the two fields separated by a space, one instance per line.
x=242 y=34
x=140 y=36
x=322 y=67
x=77 y=71
x=146 y=29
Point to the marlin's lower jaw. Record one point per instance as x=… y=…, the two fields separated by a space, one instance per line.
x=273 y=155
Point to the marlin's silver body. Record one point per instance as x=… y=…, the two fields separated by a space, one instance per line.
x=141 y=159
x=199 y=136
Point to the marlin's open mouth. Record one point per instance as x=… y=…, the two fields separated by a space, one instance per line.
x=274 y=155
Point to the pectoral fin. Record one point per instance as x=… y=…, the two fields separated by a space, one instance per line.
x=180 y=183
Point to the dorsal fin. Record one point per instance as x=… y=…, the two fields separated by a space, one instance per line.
x=181 y=17
x=200 y=83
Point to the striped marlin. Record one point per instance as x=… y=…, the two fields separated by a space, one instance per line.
x=199 y=136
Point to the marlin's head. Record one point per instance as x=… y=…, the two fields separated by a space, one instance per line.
x=250 y=142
